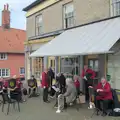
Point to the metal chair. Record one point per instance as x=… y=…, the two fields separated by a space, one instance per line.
x=7 y=99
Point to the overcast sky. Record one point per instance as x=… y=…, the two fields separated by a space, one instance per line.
x=18 y=19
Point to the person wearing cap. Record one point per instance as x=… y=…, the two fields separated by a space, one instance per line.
x=88 y=76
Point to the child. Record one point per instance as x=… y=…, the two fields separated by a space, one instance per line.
x=77 y=84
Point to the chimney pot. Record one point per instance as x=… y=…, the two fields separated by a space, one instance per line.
x=6 y=17
x=7 y=6
x=4 y=7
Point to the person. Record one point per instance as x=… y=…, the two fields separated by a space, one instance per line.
x=104 y=95
x=51 y=77
x=87 y=75
x=61 y=84
x=34 y=89
x=77 y=84
x=14 y=86
x=71 y=92
x=45 y=85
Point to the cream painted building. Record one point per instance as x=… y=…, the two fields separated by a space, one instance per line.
x=47 y=19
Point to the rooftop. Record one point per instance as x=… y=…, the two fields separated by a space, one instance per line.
x=12 y=40
x=33 y=5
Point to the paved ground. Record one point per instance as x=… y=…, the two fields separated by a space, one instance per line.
x=35 y=109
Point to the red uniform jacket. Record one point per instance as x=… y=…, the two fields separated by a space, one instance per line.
x=89 y=71
x=77 y=84
x=18 y=83
x=106 y=94
x=44 y=79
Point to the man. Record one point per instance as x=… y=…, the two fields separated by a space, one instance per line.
x=87 y=75
x=45 y=85
x=32 y=91
x=71 y=92
x=104 y=95
x=51 y=77
x=61 y=84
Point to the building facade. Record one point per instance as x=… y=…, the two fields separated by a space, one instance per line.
x=11 y=47
x=48 y=18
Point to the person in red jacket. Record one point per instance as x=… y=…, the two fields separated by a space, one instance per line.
x=45 y=85
x=87 y=75
x=77 y=84
x=104 y=94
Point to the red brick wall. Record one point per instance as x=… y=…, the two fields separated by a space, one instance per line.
x=13 y=62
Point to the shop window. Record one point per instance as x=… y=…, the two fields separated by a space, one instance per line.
x=52 y=63
x=70 y=65
x=38 y=66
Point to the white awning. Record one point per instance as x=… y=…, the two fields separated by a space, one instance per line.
x=94 y=38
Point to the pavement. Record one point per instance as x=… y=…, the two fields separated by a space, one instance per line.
x=35 y=109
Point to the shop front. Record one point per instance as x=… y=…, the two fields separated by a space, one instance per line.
x=84 y=45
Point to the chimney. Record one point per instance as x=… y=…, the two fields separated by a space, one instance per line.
x=6 y=17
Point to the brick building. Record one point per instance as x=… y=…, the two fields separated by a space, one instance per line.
x=11 y=47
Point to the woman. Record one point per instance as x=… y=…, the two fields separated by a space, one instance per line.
x=104 y=95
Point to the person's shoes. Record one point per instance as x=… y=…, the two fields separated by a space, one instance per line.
x=55 y=106
x=47 y=101
x=51 y=97
x=104 y=114
x=97 y=112
x=71 y=104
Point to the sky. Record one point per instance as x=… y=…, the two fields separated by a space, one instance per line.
x=18 y=19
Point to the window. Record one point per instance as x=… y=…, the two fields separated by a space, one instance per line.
x=52 y=63
x=3 y=56
x=39 y=25
x=38 y=66
x=68 y=15
x=22 y=70
x=115 y=7
x=93 y=64
x=4 y=72
x=70 y=64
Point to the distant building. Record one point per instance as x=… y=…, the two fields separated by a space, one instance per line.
x=11 y=47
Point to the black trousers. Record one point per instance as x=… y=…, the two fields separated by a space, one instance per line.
x=17 y=96
x=45 y=94
x=102 y=105
x=87 y=89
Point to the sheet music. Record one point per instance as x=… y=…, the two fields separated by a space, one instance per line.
x=56 y=89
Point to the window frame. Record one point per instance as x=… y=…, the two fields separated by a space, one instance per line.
x=115 y=10
x=1 y=72
x=69 y=17
x=38 y=26
x=20 y=70
x=94 y=59
x=5 y=56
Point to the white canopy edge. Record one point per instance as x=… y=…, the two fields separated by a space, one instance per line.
x=97 y=38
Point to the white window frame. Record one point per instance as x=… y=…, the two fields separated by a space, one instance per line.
x=1 y=72
x=21 y=69
x=3 y=56
x=115 y=7
x=39 y=24
x=68 y=15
